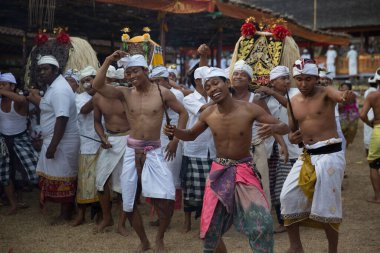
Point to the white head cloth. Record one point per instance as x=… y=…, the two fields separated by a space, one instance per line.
x=278 y=71
x=301 y=66
x=48 y=59
x=227 y=72
x=119 y=73
x=201 y=72
x=174 y=71
x=73 y=74
x=214 y=72
x=352 y=47
x=87 y=71
x=159 y=71
x=324 y=74
x=136 y=60
x=377 y=75
x=371 y=79
x=111 y=72
x=7 y=77
x=243 y=66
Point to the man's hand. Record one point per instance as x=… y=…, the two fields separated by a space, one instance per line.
x=117 y=55
x=171 y=150
x=50 y=152
x=265 y=90
x=295 y=137
x=284 y=152
x=105 y=143
x=203 y=50
x=169 y=130
x=264 y=130
x=348 y=96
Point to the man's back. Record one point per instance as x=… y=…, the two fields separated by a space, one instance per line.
x=374 y=99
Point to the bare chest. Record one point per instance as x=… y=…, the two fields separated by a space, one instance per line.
x=150 y=106
x=311 y=109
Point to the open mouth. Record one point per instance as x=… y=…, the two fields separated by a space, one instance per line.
x=216 y=95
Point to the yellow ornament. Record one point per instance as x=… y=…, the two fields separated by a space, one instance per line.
x=125 y=37
x=146 y=36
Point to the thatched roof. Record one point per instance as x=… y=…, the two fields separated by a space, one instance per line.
x=330 y=13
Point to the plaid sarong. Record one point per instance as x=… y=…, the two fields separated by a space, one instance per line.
x=193 y=175
x=18 y=147
x=282 y=172
x=273 y=164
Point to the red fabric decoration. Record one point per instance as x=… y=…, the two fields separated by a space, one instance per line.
x=280 y=32
x=63 y=37
x=41 y=38
x=248 y=29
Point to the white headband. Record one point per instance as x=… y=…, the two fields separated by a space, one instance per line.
x=87 y=71
x=159 y=71
x=305 y=67
x=136 y=60
x=214 y=72
x=48 y=59
x=7 y=77
x=377 y=75
x=278 y=71
x=243 y=66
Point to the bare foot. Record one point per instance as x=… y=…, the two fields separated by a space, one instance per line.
x=186 y=227
x=22 y=205
x=279 y=229
x=122 y=230
x=143 y=247
x=160 y=247
x=58 y=221
x=374 y=200
x=12 y=211
x=295 y=250
x=101 y=227
x=78 y=221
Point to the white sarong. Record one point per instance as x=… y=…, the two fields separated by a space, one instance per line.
x=326 y=204
x=110 y=163
x=156 y=178
x=175 y=164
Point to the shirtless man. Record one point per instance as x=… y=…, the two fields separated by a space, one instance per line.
x=110 y=161
x=373 y=101
x=233 y=190
x=144 y=106
x=313 y=194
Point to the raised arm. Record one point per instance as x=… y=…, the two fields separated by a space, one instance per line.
x=14 y=96
x=340 y=96
x=100 y=78
x=203 y=51
x=269 y=125
x=172 y=102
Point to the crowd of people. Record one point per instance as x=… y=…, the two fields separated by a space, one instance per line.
x=91 y=137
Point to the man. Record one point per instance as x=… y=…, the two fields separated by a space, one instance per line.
x=72 y=77
x=330 y=60
x=367 y=130
x=109 y=165
x=372 y=101
x=144 y=105
x=352 y=57
x=86 y=190
x=233 y=191
x=16 y=152
x=58 y=162
x=197 y=154
x=312 y=191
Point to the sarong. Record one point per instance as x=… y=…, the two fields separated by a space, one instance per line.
x=273 y=161
x=58 y=176
x=17 y=155
x=282 y=172
x=110 y=162
x=374 y=148
x=86 y=191
x=318 y=201
x=156 y=178
x=193 y=180
x=259 y=155
x=234 y=195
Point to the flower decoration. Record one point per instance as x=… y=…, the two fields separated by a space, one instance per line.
x=125 y=37
x=280 y=32
x=146 y=36
x=248 y=30
x=62 y=35
x=41 y=37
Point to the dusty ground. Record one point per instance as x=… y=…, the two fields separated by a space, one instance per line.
x=28 y=231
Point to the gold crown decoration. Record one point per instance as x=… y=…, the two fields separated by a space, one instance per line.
x=125 y=37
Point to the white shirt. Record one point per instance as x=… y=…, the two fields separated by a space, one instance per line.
x=352 y=56
x=59 y=100
x=12 y=123
x=204 y=143
x=172 y=115
x=281 y=113
x=86 y=126
x=367 y=129
x=330 y=56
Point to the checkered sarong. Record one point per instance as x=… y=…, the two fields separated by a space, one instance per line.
x=282 y=172
x=273 y=164
x=23 y=149
x=194 y=173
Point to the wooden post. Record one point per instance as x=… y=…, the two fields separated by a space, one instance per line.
x=220 y=47
x=162 y=34
x=24 y=49
x=112 y=42
x=315 y=16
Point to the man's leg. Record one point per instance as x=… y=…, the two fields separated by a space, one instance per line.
x=136 y=222
x=165 y=209
x=221 y=248
x=375 y=180
x=121 y=229
x=332 y=237
x=187 y=224
x=81 y=215
x=294 y=239
x=105 y=203
x=11 y=195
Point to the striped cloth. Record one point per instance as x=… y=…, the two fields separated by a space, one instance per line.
x=273 y=164
x=193 y=175
x=282 y=172
x=18 y=154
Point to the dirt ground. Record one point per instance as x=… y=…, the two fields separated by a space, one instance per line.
x=28 y=230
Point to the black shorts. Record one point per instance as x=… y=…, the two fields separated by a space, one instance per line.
x=375 y=164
